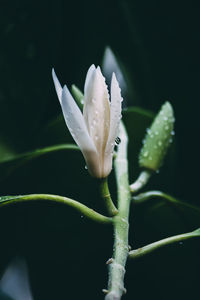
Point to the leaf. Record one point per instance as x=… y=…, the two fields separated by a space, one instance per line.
x=185 y=212
x=7 y=166
x=136 y=121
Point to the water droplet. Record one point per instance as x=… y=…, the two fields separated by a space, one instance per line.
x=148 y=130
x=86 y=167
x=117 y=141
x=145 y=153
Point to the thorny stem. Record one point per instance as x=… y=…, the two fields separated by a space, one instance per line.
x=141 y=181
x=105 y=194
x=81 y=208
x=156 y=245
x=121 y=224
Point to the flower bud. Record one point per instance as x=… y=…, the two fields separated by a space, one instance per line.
x=157 y=139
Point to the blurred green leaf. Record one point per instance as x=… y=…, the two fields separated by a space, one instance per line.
x=136 y=120
x=184 y=210
x=9 y=165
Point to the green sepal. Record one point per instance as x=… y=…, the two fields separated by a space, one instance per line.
x=78 y=95
x=157 y=139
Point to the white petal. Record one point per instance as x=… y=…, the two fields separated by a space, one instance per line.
x=96 y=111
x=58 y=87
x=115 y=116
x=89 y=78
x=76 y=125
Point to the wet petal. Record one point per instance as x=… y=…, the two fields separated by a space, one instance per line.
x=115 y=116
x=89 y=79
x=58 y=87
x=76 y=125
x=96 y=111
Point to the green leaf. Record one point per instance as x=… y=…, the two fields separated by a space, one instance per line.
x=78 y=95
x=7 y=166
x=136 y=121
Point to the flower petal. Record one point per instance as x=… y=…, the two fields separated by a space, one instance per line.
x=76 y=125
x=89 y=79
x=115 y=116
x=96 y=111
x=58 y=87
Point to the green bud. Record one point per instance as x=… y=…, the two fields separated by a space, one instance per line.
x=78 y=95
x=157 y=139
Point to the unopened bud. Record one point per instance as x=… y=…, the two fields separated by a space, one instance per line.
x=158 y=138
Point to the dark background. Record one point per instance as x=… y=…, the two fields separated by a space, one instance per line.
x=157 y=43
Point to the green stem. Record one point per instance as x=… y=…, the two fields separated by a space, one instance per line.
x=121 y=224
x=105 y=194
x=81 y=208
x=156 y=245
x=141 y=181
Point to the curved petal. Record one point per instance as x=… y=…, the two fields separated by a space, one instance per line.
x=76 y=125
x=115 y=116
x=58 y=87
x=89 y=79
x=96 y=111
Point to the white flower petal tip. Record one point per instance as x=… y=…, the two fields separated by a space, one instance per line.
x=96 y=129
x=57 y=85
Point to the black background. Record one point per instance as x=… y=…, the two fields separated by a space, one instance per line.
x=158 y=43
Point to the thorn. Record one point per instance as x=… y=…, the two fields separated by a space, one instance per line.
x=109 y=261
x=105 y=291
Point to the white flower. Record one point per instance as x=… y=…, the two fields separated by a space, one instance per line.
x=96 y=129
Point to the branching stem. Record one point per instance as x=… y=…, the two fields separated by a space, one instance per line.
x=105 y=194
x=156 y=245
x=121 y=224
x=81 y=208
x=141 y=181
